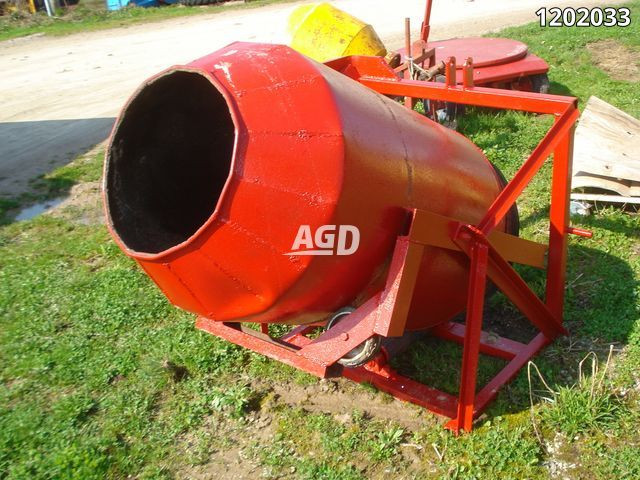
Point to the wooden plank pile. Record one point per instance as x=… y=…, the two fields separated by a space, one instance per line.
x=606 y=160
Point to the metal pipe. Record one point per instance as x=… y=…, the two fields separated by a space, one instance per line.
x=48 y=5
x=426 y=23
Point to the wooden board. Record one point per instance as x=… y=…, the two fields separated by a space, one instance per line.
x=607 y=144
x=626 y=188
x=604 y=198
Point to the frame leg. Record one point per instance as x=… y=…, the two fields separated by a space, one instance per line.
x=559 y=222
x=471 y=348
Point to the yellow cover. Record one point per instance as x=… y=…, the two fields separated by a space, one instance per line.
x=323 y=32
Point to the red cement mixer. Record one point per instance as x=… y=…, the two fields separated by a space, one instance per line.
x=255 y=185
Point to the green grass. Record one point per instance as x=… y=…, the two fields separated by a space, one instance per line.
x=577 y=411
x=571 y=72
x=83 y=169
x=88 y=16
x=101 y=378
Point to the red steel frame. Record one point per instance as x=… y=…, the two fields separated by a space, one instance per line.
x=489 y=251
x=516 y=72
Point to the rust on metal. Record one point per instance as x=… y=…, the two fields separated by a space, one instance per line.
x=467 y=73
x=450 y=72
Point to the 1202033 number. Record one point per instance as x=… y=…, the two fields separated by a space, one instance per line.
x=584 y=17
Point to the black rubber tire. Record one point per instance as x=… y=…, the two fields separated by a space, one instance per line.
x=364 y=352
x=453 y=109
x=540 y=83
x=511 y=226
x=512 y=218
x=196 y=3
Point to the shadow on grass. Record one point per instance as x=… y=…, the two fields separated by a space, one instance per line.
x=34 y=158
x=614 y=225
x=534 y=217
x=557 y=88
x=600 y=309
x=32 y=149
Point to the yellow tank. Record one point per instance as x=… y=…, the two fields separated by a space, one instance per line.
x=323 y=32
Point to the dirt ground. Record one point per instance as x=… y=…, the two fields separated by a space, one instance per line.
x=60 y=94
x=620 y=62
x=334 y=397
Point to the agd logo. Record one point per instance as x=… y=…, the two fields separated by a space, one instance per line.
x=328 y=240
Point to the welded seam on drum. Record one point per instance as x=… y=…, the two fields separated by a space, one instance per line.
x=235 y=226
x=184 y=285
x=228 y=274
x=304 y=195
x=406 y=154
x=279 y=85
x=296 y=133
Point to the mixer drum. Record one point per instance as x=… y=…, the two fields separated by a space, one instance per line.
x=214 y=169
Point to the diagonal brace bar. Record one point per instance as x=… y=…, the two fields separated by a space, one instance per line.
x=528 y=170
x=512 y=284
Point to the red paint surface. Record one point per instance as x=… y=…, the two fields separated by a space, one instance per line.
x=484 y=51
x=314 y=147
x=496 y=61
x=365 y=144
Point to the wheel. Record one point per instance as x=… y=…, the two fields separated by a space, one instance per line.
x=540 y=83
x=363 y=353
x=446 y=112
x=512 y=218
x=195 y=3
x=511 y=226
